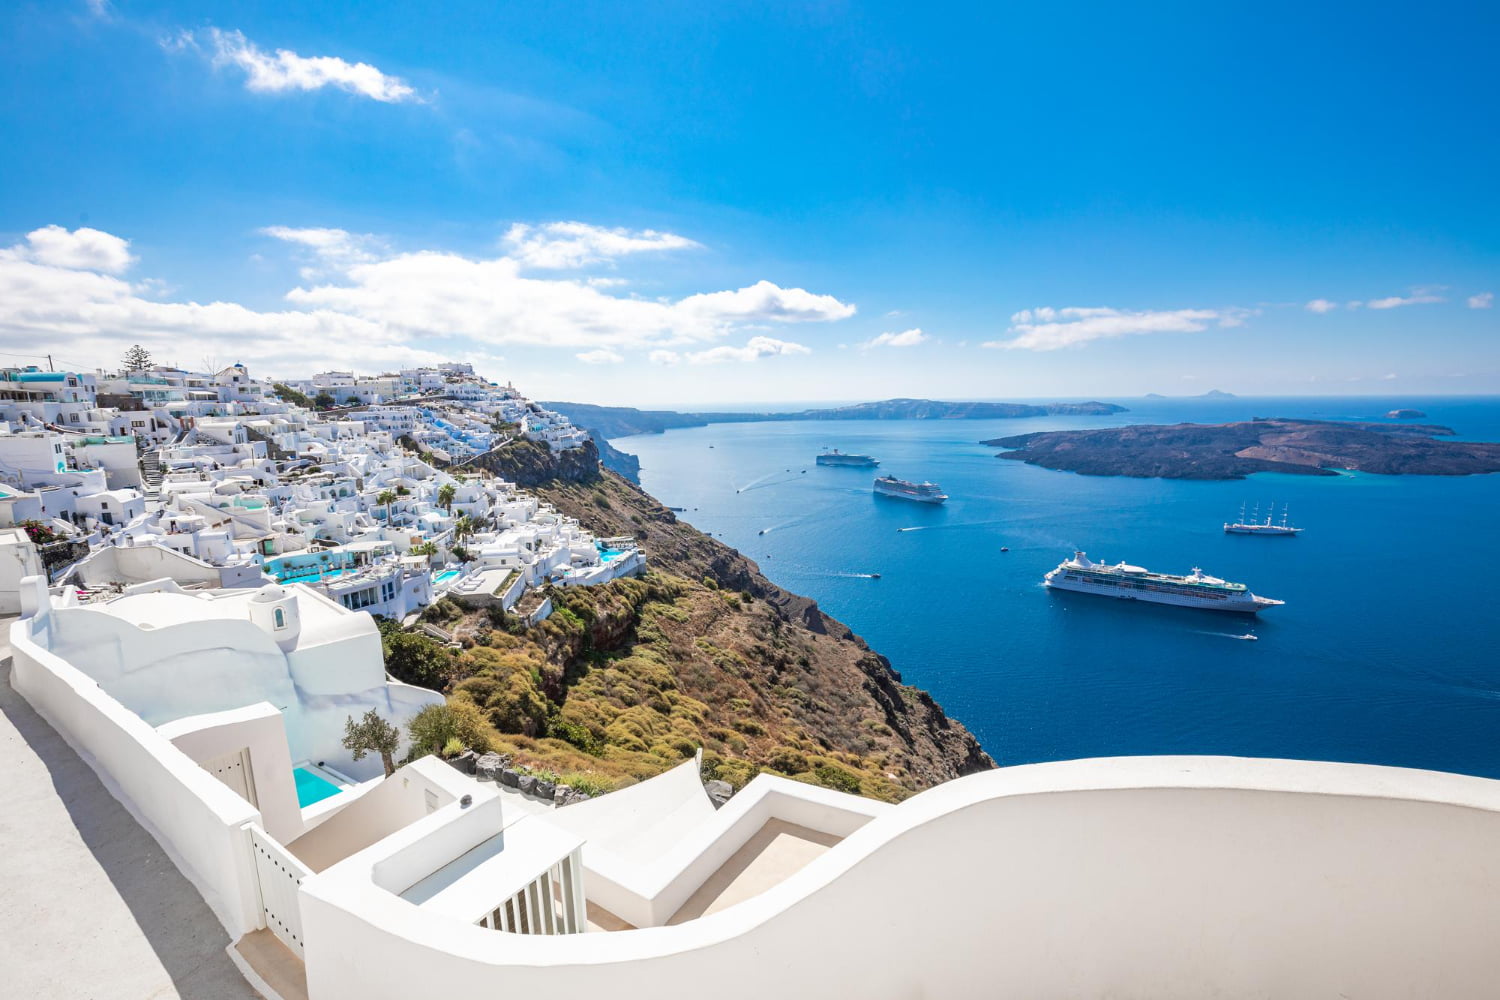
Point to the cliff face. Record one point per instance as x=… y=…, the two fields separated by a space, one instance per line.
x=530 y=464
x=626 y=679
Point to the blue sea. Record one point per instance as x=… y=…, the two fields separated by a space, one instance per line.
x=1387 y=651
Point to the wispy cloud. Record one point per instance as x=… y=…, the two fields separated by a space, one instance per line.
x=600 y=356
x=285 y=71
x=1481 y=301
x=577 y=244
x=362 y=300
x=755 y=349
x=1321 y=306
x=906 y=338
x=330 y=249
x=1419 y=297
x=1048 y=329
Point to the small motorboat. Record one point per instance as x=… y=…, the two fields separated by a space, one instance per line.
x=874 y=576
x=1005 y=548
x=1248 y=637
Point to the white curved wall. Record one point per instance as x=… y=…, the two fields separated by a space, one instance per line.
x=1149 y=877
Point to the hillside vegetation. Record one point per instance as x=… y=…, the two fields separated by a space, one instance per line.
x=628 y=679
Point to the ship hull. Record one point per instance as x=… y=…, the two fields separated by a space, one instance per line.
x=1233 y=603
x=861 y=463
x=911 y=499
x=1271 y=531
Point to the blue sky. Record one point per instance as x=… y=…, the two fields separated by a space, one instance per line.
x=689 y=203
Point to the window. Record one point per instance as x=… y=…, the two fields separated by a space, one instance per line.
x=278 y=618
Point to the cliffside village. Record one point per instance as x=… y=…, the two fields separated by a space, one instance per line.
x=362 y=487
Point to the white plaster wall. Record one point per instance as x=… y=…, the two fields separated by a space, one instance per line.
x=259 y=729
x=18 y=560
x=390 y=805
x=191 y=668
x=1145 y=877
x=197 y=820
x=142 y=562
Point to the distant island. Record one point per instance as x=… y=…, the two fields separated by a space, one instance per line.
x=1210 y=394
x=605 y=422
x=623 y=421
x=1234 y=451
x=1405 y=415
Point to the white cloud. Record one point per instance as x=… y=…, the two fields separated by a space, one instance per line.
x=577 y=244
x=369 y=306
x=285 y=70
x=1481 y=301
x=83 y=249
x=1388 y=377
x=1397 y=301
x=1047 y=329
x=100 y=8
x=600 y=356
x=755 y=349
x=764 y=301
x=906 y=338
x=1321 y=306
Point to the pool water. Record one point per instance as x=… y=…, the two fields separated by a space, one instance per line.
x=445 y=576
x=312 y=786
x=610 y=555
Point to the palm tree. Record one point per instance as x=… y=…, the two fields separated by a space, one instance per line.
x=385 y=499
x=446 y=493
x=465 y=526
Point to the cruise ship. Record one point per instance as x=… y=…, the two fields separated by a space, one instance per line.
x=836 y=457
x=890 y=486
x=1132 y=583
x=1255 y=526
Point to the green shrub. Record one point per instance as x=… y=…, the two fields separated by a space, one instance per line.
x=589 y=784
x=579 y=735
x=453 y=747
x=787 y=761
x=435 y=728
x=835 y=777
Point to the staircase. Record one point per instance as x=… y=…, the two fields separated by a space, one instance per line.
x=151 y=474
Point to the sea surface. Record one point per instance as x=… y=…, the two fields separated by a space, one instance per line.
x=1387 y=651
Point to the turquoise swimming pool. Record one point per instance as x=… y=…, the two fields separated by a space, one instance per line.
x=610 y=555
x=446 y=575
x=312 y=786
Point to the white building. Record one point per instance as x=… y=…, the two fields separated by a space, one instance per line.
x=1173 y=877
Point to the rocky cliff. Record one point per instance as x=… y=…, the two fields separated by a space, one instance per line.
x=626 y=679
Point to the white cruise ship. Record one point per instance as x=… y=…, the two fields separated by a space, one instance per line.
x=901 y=489
x=1133 y=583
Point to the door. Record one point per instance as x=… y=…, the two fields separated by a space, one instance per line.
x=233 y=769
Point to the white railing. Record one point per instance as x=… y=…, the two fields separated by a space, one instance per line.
x=279 y=874
x=552 y=903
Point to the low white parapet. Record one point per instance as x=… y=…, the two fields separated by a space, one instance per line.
x=1171 y=877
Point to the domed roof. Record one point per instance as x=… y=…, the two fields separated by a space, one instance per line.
x=269 y=594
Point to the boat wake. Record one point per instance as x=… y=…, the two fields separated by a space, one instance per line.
x=1243 y=637
x=767 y=480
